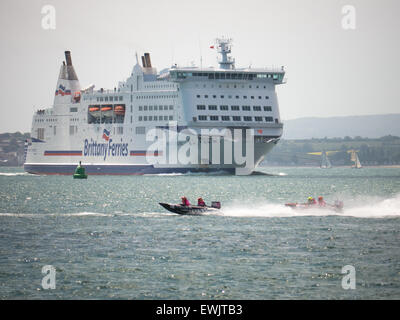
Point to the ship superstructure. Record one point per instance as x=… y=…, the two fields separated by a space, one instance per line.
x=107 y=129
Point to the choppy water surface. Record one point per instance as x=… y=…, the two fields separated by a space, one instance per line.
x=108 y=238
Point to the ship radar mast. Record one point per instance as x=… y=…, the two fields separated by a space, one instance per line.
x=224 y=47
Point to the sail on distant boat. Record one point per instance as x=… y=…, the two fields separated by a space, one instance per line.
x=355 y=159
x=325 y=162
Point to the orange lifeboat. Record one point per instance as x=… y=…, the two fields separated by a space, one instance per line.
x=107 y=108
x=94 y=109
x=119 y=110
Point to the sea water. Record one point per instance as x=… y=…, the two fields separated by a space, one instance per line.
x=108 y=238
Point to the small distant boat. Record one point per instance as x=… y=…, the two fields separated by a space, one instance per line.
x=80 y=172
x=337 y=206
x=325 y=162
x=355 y=159
x=191 y=210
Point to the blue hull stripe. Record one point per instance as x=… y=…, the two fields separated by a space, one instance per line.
x=114 y=169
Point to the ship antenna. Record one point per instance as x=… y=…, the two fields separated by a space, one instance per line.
x=201 y=56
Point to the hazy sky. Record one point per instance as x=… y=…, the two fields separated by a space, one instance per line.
x=330 y=71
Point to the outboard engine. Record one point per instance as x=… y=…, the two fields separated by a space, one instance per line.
x=216 y=204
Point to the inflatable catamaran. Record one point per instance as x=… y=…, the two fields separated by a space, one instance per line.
x=107 y=129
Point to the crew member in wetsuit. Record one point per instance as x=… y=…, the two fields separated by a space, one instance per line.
x=321 y=202
x=200 y=202
x=185 y=201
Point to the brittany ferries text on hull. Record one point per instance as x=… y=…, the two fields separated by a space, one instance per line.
x=210 y=117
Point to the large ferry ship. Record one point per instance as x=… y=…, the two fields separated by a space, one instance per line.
x=108 y=129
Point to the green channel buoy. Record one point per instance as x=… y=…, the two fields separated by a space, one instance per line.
x=80 y=172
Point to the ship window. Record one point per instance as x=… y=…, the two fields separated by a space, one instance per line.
x=145 y=108
x=140 y=130
x=224 y=108
x=101 y=98
x=165 y=118
x=40 y=133
x=246 y=108
x=165 y=107
x=247 y=118
x=74 y=109
x=252 y=97
x=171 y=107
x=235 y=108
x=140 y=108
x=258 y=118
x=120 y=98
x=206 y=96
x=213 y=107
x=105 y=98
x=171 y=118
x=202 y=117
x=267 y=108
x=259 y=97
x=198 y=96
x=140 y=118
x=144 y=118
x=111 y=99
x=269 y=119
x=151 y=108
x=120 y=130
x=257 y=108
x=214 y=118
x=201 y=107
x=222 y=97
x=266 y=97
x=236 y=118
x=150 y=118
x=244 y=97
x=155 y=118
x=214 y=96
x=54 y=130
x=225 y=118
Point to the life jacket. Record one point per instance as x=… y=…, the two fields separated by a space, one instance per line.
x=201 y=203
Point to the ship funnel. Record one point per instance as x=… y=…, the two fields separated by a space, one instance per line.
x=71 y=75
x=143 y=62
x=68 y=58
x=147 y=58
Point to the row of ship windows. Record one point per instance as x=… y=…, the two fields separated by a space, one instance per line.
x=155 y=86
x=233 y=108
x=230 y=97
x=155 y=118
x=231 y=86
x=168 y=96
x=110 y=98
x=155 y=108
x=235 y=118
x=46 y=120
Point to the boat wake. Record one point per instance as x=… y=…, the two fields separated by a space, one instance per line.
x=14 y=174
x=360 y=208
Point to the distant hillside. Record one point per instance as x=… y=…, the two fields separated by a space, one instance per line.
x=374 y=126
